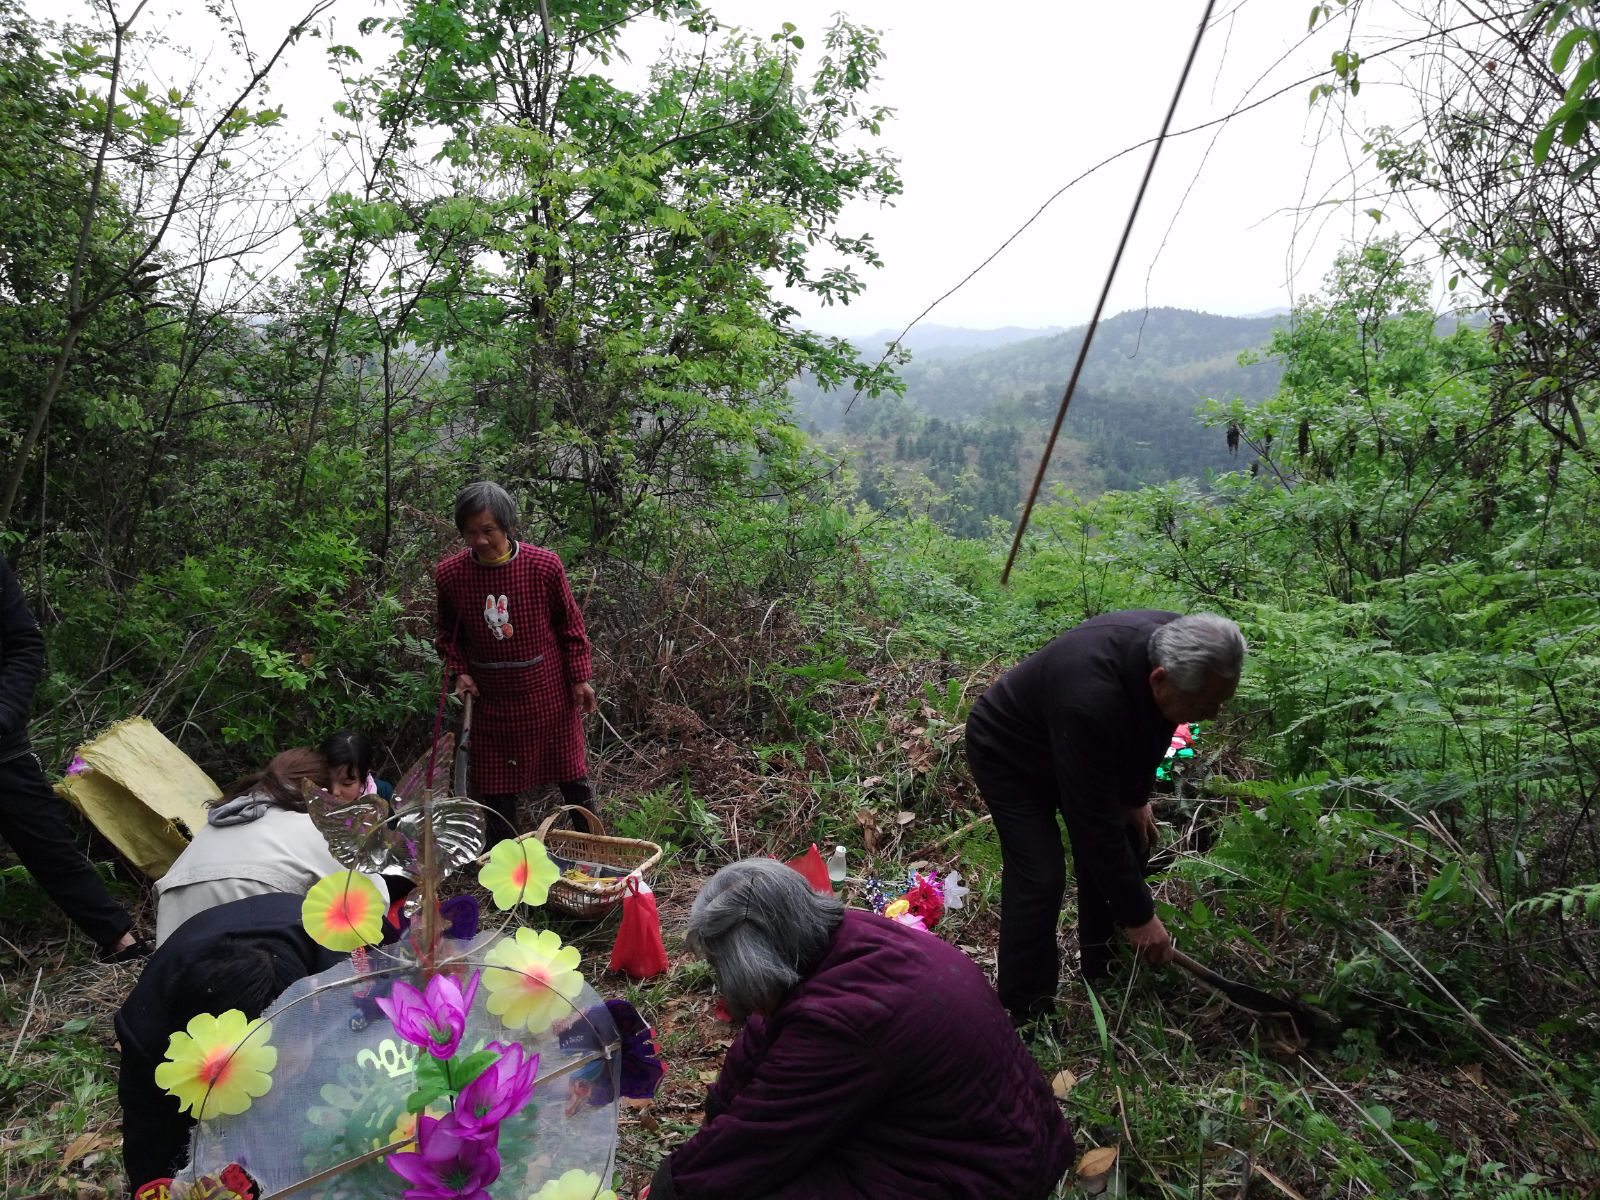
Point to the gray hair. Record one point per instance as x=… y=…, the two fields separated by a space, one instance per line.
x=484 y=495
x=762 y=928
x=1198 y=648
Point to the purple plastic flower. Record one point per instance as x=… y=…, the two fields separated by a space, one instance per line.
x=434 y=1019
x=641 y=1061
x=460 y=917
x=447 y=1165
x=641 y=1068
x=502 y=1091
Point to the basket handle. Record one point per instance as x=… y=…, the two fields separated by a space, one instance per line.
x=596 y=825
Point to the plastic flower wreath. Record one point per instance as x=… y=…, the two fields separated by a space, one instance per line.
x=518 y=872
x=434 y=1019
x=219 y=1064
x=344 y=912
x=440 y=1125
x=447 y=1164
x=574 y=1185
x=532 y=980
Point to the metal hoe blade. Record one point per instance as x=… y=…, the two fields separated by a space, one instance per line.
x=1308 y=1024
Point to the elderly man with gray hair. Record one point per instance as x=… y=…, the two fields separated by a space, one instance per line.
x=875 y=1060
x=1078 y=729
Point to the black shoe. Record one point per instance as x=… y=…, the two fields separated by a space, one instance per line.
x=1032 y=1015
x=133 y=952
x=1031 y=1010
x=1094 y=963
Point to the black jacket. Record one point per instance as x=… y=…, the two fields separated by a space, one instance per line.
x=155 y=1132
x=21 y=664
x=1080 y=713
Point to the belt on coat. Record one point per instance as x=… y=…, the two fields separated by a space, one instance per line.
x=507 y=666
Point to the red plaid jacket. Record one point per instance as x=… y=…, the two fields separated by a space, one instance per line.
x=516 y=629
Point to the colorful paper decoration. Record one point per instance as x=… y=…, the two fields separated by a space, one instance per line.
x=919 y=901
x=1180 y=752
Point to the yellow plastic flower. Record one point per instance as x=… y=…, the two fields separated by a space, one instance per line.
x=219 y=1065
x=574 y=1185
x=898 y=908
x=518 y=873
x=405 y=1130
x=531 y=979
x=344 y=911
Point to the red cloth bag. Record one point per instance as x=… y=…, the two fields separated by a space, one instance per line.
x=811 y=865
x=638 y=950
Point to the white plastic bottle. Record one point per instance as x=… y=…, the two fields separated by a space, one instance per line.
x=836 y=868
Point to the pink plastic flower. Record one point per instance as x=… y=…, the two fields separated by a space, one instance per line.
x=447 y=1165
x=434 y=1019
x=499 y=1093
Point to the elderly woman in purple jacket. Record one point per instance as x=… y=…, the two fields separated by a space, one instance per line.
x=876 y=1060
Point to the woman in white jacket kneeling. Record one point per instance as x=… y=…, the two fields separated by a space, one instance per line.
x=262 y=840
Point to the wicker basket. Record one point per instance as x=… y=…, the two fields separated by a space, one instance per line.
x=596 y=899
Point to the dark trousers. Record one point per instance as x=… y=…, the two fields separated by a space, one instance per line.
x=34 y=822
x=504 y=807
x=1025 y=805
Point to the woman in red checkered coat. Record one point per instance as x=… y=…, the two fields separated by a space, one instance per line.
x=511 y=633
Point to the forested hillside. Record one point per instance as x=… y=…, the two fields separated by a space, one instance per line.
x=235 y=405
x=961 y=443
x=1161 y=351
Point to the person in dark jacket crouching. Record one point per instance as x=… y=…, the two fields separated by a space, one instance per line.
x=242 y=955
x=876 y=1060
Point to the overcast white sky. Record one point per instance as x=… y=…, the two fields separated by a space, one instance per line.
x=999 y=104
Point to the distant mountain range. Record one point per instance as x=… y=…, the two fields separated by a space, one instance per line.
x=978 y=402
x=1162 y=353
x=1165 y=353
x=929 y=342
